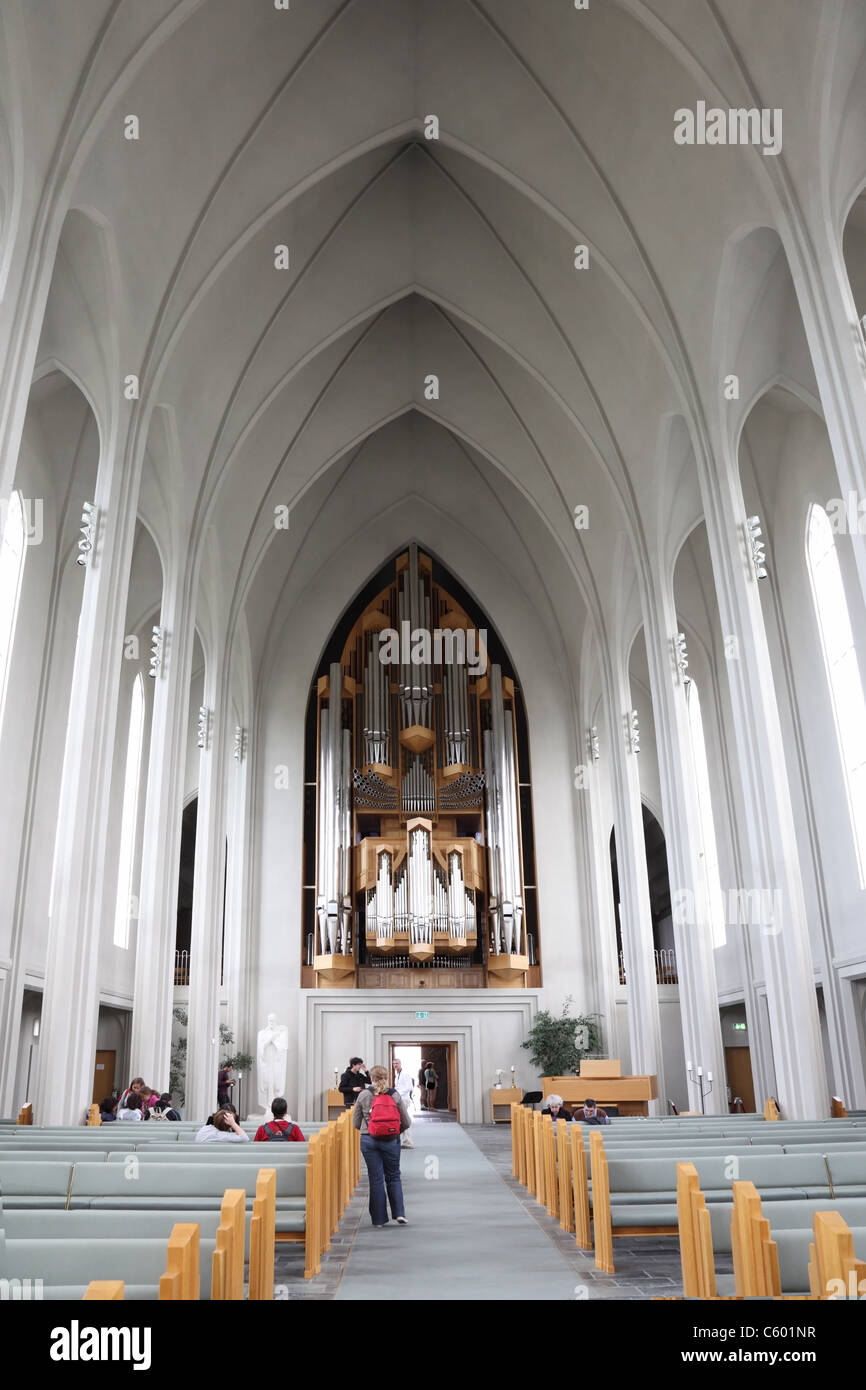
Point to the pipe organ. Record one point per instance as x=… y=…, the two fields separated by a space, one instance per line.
x=419 y=846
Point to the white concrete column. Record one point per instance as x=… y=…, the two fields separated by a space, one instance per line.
x=838 y=356
x=635 y=915
x=593 y=826
x=163 y=817
x=690 y=904
x=70 y=1003
x=207 y=914
x=774 y=869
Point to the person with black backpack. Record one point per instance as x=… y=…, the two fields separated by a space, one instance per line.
x=281 y=1129
x=382 y=1117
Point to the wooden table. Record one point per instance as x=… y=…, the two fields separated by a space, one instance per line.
x=502 y=1098
x=630 y=1094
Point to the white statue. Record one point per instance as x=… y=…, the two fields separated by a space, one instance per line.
x=272 y=1047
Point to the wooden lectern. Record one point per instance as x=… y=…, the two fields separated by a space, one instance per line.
x=602 y=1079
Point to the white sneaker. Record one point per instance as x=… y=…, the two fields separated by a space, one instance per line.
x=402 y=1221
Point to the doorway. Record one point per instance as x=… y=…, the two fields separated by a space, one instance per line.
x=738 y=1065
x=442 y=1056
x=103 y=1075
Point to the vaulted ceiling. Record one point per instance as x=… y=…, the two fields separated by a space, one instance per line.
x=412 y=257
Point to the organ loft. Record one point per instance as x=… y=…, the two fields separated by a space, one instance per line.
x=419 y=857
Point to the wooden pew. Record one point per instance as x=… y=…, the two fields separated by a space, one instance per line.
x=105 y=1290
x=564 y=1177
x=227 y=1277
x=263 y=1236
x=181 y=1279
x=551 y=1184
x=580 y=1188
x=538 y=1154
x=833 y=1267
x=696 y=1242
x=756 y=1258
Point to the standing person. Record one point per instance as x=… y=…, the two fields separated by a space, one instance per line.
x=431 y=1082
x=422 y=1087
x=381 y=1117
x=353 y=1081
x=404 y=1085
x=225 y=1081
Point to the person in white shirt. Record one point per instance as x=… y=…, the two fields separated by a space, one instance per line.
x=132 y=1109
x=404 y=1086
x=224 y=1129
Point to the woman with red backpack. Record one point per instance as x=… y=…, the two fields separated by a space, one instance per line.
x=381 y=1117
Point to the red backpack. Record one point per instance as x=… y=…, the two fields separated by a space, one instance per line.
x=384 y=1121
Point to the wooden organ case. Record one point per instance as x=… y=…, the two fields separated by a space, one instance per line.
x=419 y=845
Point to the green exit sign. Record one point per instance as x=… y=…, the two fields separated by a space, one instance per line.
x=739 y=1027
x=422 y=1013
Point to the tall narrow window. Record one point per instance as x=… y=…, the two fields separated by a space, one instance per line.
x=843 y=671
x=124 y=908
x=13 y=544
x=710 y=859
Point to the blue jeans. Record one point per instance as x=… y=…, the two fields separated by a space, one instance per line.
x=382 y=1157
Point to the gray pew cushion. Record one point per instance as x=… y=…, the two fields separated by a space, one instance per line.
x=34 y=1184
x=77 y=1260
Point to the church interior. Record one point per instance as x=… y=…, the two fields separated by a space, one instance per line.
x=433 y=622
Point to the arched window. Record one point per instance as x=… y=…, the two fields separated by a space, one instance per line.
x=843 y=671
x=124 y=908
x=13 y=545
x=710 y=859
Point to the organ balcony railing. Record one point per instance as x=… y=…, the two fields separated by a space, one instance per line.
x=181 y=967
x=665 y=963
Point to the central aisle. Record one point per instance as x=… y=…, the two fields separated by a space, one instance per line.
x=467 y=1238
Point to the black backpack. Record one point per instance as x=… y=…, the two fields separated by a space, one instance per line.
x=273 y=1132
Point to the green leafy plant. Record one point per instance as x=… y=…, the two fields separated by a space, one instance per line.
x=556 y=1045
x=241 y=1061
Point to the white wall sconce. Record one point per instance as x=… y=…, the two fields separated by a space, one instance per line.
x=682 y=656
x=592 y=743
x=240 y=744
x=88 y=533
x=634 y=732
x=157 y=644
x=203 y=726
x=759 y=556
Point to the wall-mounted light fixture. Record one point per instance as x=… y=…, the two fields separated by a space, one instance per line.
x=634 y=732
x=157 y=643
x=203 y=726
x=88 y=533
x=759 y=556
x=682 y=657
x=592 y=743
x=240 y=744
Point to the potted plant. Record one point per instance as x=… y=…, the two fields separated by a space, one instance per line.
x=556 y=1044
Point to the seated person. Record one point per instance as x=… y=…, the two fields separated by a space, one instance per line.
x=556 y=1109
x=163 y=1107
x=281 y=1128
x=591 y=1114
x=223 y=1128
x=108 y=1109
x=132 y=1109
